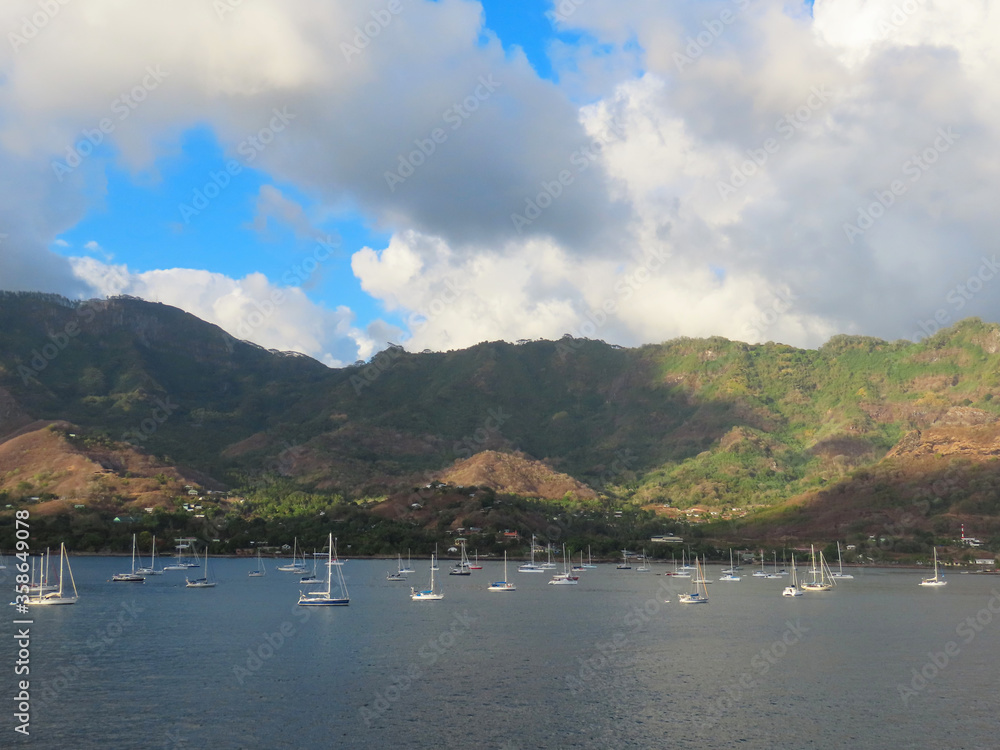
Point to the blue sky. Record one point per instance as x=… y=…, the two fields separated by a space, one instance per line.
x=632 y=172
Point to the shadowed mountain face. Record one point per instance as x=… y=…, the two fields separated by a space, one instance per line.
x=706 y=422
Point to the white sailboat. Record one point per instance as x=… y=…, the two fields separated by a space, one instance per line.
x=549 y=565
x=132 y=577
x=200 y=583
x=699 y=592
x=311 y=579
x=840 y=565
x=295 y=566
x=644 y=567
x=59 y=596
x=792 y=589
x=590 y=562
x=761 y=573
x=428 y=595
x=151 y=570
x=326 y=598
x=44 y=584
x=503 y=585
x=409 y=563
x=178 y=563
x=565 y=578
x=531 y=567
x=821 y=580
x=937 y=580
x=730 y=573
x=260 y=571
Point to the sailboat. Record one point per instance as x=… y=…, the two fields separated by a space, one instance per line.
x=581 y=566
x=644 y=568
x=151 y=570
x=434 y=565
x=840 y=565
x=295 y=566
x=462 y=569
x=548 y=565
x=792 y=589
x=590 y=562
x=699 y=592
x=409 y=563
x=326 y=598
x=821 y=580
x=260 y=571
x=311 y=579
x=336 y=559
x=623 y=565
x=730 y=573
x=476 y=565
x=429 y=594
x=132 y=577
x=43 y=584
x=936 y=580
x=179 y=563
x=761 y=573
x=565 y=578
x=701 y=578
x=531 y=567
x=59 y=596
x=200 y=583
x=503 y=585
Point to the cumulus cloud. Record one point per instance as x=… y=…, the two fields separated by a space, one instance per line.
x=251 y=308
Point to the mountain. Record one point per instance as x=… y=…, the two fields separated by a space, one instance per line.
x=780 y=435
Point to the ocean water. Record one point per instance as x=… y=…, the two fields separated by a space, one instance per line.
x=614 y=662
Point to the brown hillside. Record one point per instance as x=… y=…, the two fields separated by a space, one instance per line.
x=516 y=474
x=49 y=461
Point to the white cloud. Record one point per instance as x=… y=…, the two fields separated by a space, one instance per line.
x=251 y=308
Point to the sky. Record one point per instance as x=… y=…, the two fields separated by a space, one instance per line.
x=329 y=176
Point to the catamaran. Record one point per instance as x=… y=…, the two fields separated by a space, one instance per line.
x=132 y=577
x=427 y=595
x=326 y=598
x=936 y=580
x=503 y=585
x=792 y=589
